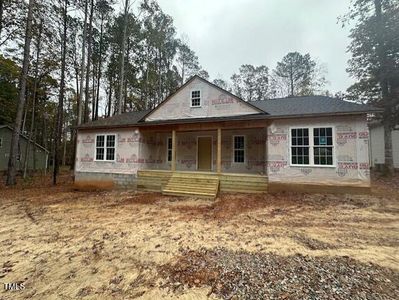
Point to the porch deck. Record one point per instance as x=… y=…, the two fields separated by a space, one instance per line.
x=199 y=183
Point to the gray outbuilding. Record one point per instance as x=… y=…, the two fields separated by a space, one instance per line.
x=377 y=148
x=38 y=155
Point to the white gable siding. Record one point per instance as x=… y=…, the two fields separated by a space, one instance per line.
x=214 y=103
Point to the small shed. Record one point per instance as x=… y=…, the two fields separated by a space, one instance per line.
x=377 y=148
x=38 y=155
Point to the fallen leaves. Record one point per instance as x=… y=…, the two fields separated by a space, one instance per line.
x=245 y=275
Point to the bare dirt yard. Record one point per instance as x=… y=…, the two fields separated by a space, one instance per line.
x=67 y=244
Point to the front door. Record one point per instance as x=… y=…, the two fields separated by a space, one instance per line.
x=205 y=153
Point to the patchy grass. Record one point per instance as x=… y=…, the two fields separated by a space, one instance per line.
x=63 y=243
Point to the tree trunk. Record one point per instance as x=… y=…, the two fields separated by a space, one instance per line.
x=32 y=120
x=11 y=173
x=89 y=51
x=99 y=71
x=159 y=77
x=387 y=114
x=82 y=67
x=122 y=62
x=45 y=135
x=60 y=111
x=64 y=140
x=72 y=167
x=1 y=15
x=125 y=91
x=93 y=90
x=182 y=72
x=34 y=152
x=23 y=129
x=110 y=97
x=77 y=84
x=291 y=82
x=82 y=73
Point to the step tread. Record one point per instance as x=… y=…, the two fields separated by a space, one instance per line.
x=187 y=192
x=185 y=188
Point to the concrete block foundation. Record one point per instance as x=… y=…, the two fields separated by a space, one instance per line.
x=126 y=181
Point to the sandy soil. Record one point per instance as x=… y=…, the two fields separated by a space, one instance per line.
x=65 y=244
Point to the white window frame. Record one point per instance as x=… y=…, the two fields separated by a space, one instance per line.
x=191 y=98
x=105 y=147
x=311 y=147
x=167 y=149
x=245 y=149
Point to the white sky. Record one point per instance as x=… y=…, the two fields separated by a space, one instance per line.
x=228 y=33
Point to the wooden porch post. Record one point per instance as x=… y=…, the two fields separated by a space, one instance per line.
x=219 y=151
x=173 y=150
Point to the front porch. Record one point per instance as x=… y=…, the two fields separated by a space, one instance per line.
x=203 y=159
x=201 y=184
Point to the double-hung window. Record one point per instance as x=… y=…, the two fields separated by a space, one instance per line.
x=105 y=147
x=239 y=149
x=300 y=146
x=169 y=149
x=323 y=146
x=196 y=98
x=312 y=146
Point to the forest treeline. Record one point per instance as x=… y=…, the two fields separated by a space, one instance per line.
x=66 y=62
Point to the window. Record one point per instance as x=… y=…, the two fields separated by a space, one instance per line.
x=239 y=149
x=312 y=146
x=169 y=149
x=323 y=142
x=105 y=147
x=300 y=146
x=195 y=98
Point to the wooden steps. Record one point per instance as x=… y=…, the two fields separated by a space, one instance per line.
x=198 y=185
x=152 y=180
x=243 y=183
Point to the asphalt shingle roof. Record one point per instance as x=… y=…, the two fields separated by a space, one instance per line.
x=129 y=118
x=310 y=105
x=272 y=108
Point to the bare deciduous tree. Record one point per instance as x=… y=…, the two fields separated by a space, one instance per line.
x=11 y=173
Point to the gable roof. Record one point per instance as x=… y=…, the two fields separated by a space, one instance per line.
x=311 y=105
x=207 y=82
x=290 y=107
x=24 y=136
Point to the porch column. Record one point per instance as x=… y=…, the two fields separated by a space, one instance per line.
x=173 y=150
x=219 y=152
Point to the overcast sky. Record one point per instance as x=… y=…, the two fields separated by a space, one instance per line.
x=228 y=33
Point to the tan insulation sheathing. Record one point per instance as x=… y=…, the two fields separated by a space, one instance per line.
x=214 y=103
x=127 y=160
x=351 y=142
x=255 y=141
x=154 y=150
x=137 y=150
x=148 y=150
